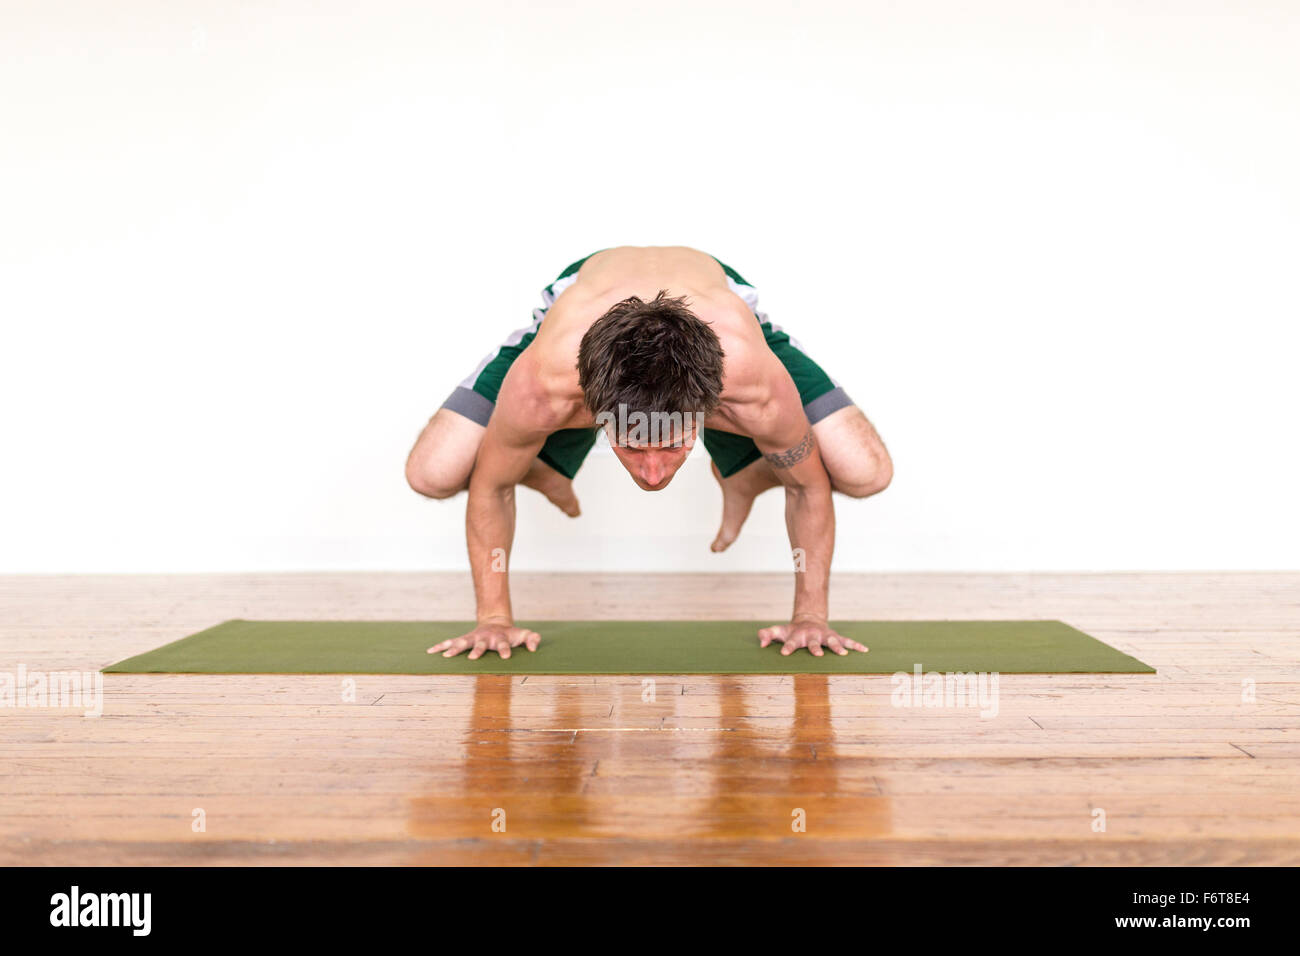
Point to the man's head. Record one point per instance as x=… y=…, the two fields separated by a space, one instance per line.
x=649 y=371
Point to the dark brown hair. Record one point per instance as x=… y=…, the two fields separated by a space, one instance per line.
x=654 y=356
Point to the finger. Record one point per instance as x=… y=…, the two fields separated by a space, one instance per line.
x=479 y=647
x=790 y=646
x=854 y=645
x=835 y=644
x=532 y=640
x=439 y=647
x=502 y=647
x=815 y=647
x=519 y=635
x=767 y=635
x=455 y=646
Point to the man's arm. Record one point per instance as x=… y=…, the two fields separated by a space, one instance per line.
x=510 y=443
x=781 y=431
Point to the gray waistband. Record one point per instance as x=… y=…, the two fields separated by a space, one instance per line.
x=823 y=405
x=467 y=402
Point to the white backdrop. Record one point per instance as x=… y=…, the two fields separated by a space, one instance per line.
x=1050 y=248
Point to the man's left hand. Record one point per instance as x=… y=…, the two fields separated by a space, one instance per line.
x=812 y=635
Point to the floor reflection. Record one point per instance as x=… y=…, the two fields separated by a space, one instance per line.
x=736 y=758
x=779 y=774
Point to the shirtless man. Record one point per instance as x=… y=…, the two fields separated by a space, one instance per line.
x=670 y=334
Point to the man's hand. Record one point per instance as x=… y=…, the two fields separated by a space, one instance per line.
x=810 y=634
x=488 y=637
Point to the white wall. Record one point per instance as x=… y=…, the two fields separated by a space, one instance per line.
x=247 y=249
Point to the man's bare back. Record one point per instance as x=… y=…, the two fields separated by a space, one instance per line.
x=613 y=275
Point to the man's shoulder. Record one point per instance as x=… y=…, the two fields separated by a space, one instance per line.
x=750 y=369
x=757 y=393
x=537 y=396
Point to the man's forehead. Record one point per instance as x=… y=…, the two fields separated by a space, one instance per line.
x=639 y=439
x=669 y=443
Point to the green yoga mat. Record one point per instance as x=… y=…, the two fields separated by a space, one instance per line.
x=631 y=647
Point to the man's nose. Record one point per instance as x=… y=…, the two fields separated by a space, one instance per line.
x=653 y=471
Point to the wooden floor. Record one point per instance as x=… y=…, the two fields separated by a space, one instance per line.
x=713 y=770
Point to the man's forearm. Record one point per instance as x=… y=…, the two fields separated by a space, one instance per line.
x=489 y=533
x=810 y=521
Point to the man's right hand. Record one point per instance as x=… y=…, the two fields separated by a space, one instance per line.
x=488 y=637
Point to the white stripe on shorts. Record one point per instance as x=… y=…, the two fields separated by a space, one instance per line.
x=750 y=295
x=549 y=295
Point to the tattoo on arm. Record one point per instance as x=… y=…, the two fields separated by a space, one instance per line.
x=792 y=456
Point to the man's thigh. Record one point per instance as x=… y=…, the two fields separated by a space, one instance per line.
x=439 y=465
x=444 y=454
x=854 y=456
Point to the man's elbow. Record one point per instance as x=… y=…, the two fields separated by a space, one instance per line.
x=485 y=487
x=817 y=488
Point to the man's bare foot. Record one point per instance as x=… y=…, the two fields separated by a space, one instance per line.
x=738 y=494
x=556 y=487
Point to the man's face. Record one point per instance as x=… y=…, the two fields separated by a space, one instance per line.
x=652 y=466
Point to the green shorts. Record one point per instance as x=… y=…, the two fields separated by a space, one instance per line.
x=566 y=449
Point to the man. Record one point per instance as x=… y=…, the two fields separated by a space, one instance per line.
x=658 y=345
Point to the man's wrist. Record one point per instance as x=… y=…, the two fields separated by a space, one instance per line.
x=808 y=617
x=495 y=620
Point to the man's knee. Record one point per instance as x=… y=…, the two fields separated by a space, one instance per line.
x=439 y=464
x=855 y=457
x=871 y=476
x=430 y=480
